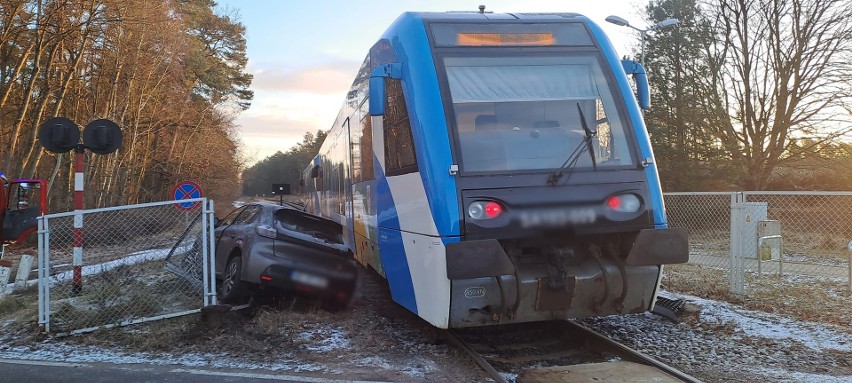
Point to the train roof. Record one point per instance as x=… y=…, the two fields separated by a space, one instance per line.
x=488 y=16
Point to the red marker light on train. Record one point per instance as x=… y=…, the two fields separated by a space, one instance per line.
x=493 y=209
x=484 y=209
x=613 y=202
x=624 y=203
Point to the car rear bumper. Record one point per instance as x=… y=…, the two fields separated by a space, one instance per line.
x=338 y=285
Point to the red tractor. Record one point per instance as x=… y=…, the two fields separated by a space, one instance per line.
x=21 y=203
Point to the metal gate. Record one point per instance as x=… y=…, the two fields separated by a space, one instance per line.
x=123 y=265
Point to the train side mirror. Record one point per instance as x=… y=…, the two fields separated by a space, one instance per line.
x=377 y=86
x=315 y=171
x=377 y=96
x=643 y=96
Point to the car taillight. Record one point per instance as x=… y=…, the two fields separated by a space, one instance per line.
x=484 y=210
x=265 y=231
x=624 y=203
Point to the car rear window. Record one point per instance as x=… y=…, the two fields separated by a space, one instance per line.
x=300 y=222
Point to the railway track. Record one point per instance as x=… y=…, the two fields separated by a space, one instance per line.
x=559 y=352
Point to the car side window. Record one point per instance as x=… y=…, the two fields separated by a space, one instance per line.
x=248 y=215
x=321 y=228
x=229 y=219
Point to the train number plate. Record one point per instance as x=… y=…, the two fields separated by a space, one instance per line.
x=558 y=217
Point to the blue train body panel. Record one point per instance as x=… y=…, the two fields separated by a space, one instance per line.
x=641 y=131
x=495 y=168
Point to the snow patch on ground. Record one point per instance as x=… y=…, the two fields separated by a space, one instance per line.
x=816 y=336
x=800 y=377
x=419 y=368
x=373 y=361
x=52 y=351
x=324 y=340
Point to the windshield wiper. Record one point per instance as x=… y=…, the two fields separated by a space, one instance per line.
x=578 y=151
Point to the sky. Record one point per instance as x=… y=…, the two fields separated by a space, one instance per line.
x=304 y=54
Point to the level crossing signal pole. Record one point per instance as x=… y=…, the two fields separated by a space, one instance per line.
x=280 y=190
x=60 y=135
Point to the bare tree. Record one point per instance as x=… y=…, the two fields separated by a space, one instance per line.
x=166 y=71
x=781 y=68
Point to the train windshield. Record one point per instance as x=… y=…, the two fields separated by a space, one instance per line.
x=522 y=113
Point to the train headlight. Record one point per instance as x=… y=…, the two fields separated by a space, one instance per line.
x=484 y=209
x=624 y=203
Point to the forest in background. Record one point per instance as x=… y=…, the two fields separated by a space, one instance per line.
x=171 y=73
x=745 y=95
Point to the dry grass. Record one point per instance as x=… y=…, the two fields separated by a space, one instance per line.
x=815 y=300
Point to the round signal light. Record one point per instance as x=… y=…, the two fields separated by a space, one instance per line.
x=484 y=210
x=476 y=210
x=613 y=202
x=624 y=203
x=493 y=209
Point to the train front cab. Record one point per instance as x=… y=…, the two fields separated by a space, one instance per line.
x=533 y=193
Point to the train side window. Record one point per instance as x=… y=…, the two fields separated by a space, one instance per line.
x=366 y=145
x=355 y=143
x=399 y=145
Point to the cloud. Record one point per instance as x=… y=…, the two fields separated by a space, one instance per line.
x=263 y=135
x=334 y=77
x=274 y=126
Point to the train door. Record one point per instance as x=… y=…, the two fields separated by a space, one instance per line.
x=345 y=185
x=396 y=190
x=364 y=190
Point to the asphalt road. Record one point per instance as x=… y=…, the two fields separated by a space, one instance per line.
x=19 y=371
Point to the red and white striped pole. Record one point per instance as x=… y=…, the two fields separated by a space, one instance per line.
x=79 y=205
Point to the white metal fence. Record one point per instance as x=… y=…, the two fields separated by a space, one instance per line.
x=803 y=235
x=140 y=263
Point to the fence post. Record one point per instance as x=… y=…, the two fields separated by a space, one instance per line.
x=5 y=273
x=24 y=267
x=849 y=280
x=43 y=274
x=208 y=252
x=736 y=262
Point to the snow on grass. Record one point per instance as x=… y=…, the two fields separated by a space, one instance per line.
x=418 y=368
x=324 y=340
x=373 y=361
x=817 y=336
x=91 y=270
x=53 y=351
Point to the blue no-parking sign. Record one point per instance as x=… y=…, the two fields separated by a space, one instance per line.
x=186 y=190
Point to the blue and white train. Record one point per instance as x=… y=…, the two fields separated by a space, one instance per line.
x=495 y=168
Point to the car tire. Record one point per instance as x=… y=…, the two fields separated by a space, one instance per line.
x=233 y=289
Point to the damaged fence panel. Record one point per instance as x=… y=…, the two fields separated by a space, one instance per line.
x=141 y=263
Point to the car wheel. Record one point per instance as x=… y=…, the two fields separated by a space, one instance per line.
x=233 y=289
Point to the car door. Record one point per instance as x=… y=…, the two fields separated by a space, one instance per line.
x=224 y=244
x=240 y=232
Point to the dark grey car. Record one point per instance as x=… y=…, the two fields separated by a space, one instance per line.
x=261 y=244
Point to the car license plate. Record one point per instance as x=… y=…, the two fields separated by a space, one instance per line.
x=309 y=279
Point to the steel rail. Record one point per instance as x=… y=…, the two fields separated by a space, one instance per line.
x=600 y=342
x=635 y=356
x=451 y=337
